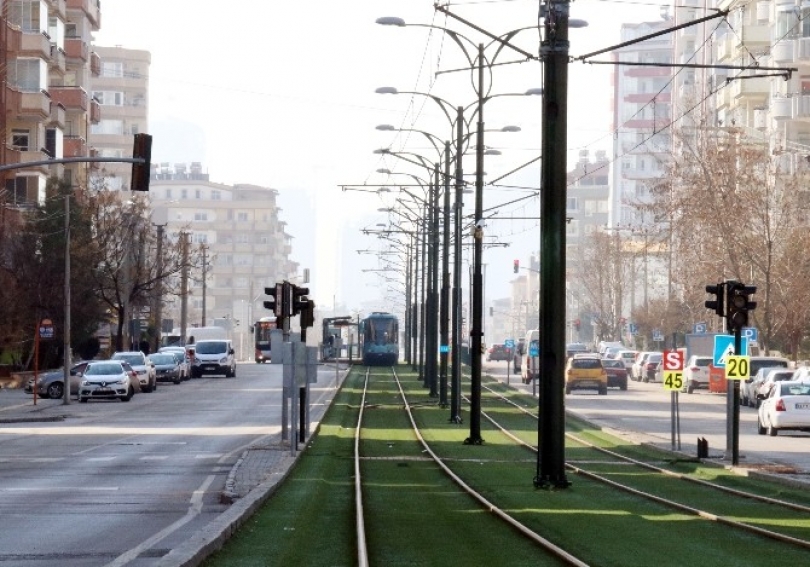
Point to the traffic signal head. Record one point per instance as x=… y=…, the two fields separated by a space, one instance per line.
x=716 y=304
x=517 y=266
x=308 y=315
x=274 y=304
x=300 y=302
x=141 y=150
x=739 y=304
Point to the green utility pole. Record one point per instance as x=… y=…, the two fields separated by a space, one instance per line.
x=551 y=426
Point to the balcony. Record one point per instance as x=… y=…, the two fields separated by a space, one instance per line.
x=57 y=60
x=95 y=64
x=783 y=51
x=725 y=50
x=781 y=108
x=750 y=88
x=95 y=111
x=74 y=99
x=34 y=105
x=74 y=146
x=753 y=36
x=57 y=8
x=27 y=156
x=91 y=9
x=77 y=49
x=801 y=106
x=13 y=39
x=35 y=44
x=57 y=117
x=803 y=49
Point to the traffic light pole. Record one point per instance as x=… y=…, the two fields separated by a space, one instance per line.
x=733 y=397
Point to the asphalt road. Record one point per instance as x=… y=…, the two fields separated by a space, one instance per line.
x=124 y=483
x=644 y=412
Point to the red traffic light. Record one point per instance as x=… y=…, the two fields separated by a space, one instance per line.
x=517 y=266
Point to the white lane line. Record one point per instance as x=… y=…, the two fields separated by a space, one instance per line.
x=195 y=507
x=154 y=458
x=61 y=489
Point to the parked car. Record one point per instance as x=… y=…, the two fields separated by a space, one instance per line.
x=650 y=368
x=696 y=373
x=213 y=357
x=636 y=372
x=498 y=352
x=628 y=357
x=181 y=354
x=786 y=407
x=142 y=365
x=106 y=379
x=167 y=367
x=517 y=357
x=585 y=371
x=133 y=376
x=51 y=384
x=758 y=386
x=575 y=348
x=616 y=373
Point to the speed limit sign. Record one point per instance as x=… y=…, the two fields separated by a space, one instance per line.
x=738 y=367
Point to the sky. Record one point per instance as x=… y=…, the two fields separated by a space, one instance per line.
x=282 y=95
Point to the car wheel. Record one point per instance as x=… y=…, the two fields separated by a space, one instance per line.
x=603 y=390
x=760 y=427
x=83 y=400
x=177 y=380
x=55 y=390
x=690 y=387
x=623 y=385
x=154 y=385
x=772 y=431
x=568 y=389
x=130 y=393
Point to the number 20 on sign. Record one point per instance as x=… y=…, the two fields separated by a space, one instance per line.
x=738 y=367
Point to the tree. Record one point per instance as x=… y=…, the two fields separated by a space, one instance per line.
x=128 y=272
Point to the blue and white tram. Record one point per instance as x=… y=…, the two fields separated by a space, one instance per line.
x=380 y=335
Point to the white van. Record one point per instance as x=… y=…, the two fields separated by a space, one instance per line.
x=530 y=365
x=213 y=357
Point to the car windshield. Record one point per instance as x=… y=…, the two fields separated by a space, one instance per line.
x=216 y=347
x=612 y=363
x=103 y=369
x=162 y=358
x=703 y=361
x=629 y=355
x=133 y=359
x=654 y=358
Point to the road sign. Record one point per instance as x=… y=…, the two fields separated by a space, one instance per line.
x=750 y=333
x=738 y=367
x=534 y=348
x=700 y=328
x=673 y=359
x=724 y=347
x=673 y=379
x=46 y=329
x=658 y=336
x=509 y=343
x=633 y=328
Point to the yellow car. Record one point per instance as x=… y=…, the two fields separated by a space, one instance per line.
x=585 y=371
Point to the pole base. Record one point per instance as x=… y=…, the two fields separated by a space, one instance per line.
x=473 y=441
x=457 y=419
x=548 y=483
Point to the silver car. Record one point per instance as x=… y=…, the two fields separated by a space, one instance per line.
x=142 y=365
x=51 y=384
x=106 y=379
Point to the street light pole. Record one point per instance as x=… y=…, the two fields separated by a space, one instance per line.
x=476 y=334
x=444 y=343
x=455 y=351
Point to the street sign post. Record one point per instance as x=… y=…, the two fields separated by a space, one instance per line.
x=673 y=369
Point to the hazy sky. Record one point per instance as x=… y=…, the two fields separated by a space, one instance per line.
x=281 y=94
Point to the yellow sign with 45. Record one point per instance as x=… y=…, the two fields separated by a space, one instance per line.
x=673 y=379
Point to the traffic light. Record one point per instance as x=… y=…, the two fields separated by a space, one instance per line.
x=577 y=324
x=517 y=266
x=141 y=149
x=739 y=304
x=716 y=304
x=308 y=315
x=274 y=304
x=300 y=302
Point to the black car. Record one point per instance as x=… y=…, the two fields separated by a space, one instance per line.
x=167 y=367
x=498 y=352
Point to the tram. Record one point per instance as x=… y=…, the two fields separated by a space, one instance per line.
x=261 y=336
x=379 y=332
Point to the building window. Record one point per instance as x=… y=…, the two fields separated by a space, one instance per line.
x=241 y=217
x=184 y=193
x=26 y=15
x=201 y=216
x=242 y=238
x=168 y=193
x=243 y=260
x=109 y=127
x=109 y=98
x=20 y=139
x=241 y=283
x=571 y=204
x=112 y=69
x=197 y=194
x=572 y=228
x=27 y=74
x=200 y=238
x=225 y=259
x=216 y=195
x=50 y=141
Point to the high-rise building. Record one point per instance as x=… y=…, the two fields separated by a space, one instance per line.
x=46 y=108
x=122 y=90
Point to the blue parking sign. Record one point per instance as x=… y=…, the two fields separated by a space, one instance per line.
x=509 y=343
x=749 y=333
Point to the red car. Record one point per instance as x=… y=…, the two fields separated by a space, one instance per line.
x=616 y=373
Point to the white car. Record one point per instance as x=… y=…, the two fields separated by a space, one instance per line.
x=105 y=379
x=628 y=357
x=636 y=370
x=696 y=373
x=786 y=407
x=753 y=390
x=145 y=368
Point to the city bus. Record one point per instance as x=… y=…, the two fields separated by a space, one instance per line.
x=261 y=338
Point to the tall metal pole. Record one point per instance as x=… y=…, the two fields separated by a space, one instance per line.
x=66 y=334
x=444 y=342
x=455 y=350
x=157 y=310
x=551 y=428
x=423 y=299
x=204 y=278
x=433 y=345
x=184 y=289
x=415 y=303
x=476 y=333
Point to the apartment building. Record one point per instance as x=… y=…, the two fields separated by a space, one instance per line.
x=122 y=90
x=246 y=245
x=47 y=63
